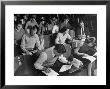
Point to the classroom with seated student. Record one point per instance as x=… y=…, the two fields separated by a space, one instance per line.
x=55 y=45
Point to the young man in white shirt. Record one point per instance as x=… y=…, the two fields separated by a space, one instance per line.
x=31 y=47
x=61 y=37
x=30 y=41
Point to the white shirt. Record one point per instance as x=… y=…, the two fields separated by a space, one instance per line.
x=61 y=38
x=30 y=41
x=55 y=29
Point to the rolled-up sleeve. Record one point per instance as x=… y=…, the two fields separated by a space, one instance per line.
x=39 y=63
x=68 y=36
x=57 y=39
x=27 y=24
x=38 y=43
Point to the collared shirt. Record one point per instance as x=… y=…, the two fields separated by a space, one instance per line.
x=29 y=42
x=55 y=29
x=61 y=38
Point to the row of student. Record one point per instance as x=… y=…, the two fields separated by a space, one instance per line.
x=52 y=28
x=53 y=25
x=32 y=39
x=30 y=44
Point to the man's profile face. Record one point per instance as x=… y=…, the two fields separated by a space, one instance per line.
x=56 y=53
x=19 y=26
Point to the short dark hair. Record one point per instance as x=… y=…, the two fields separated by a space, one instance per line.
x=60 y=48
x=35 y=27
x=29 y=27
x=63 y=29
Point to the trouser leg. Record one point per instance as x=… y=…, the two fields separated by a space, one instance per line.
x=89 y=69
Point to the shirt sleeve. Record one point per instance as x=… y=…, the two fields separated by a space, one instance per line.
x=38 y=42
x=39 y=29
x=39 y=63
x=26 y=25
x=68 y=36
x=57 y=39
x=23 y=43
x=62 y=59
x=53 y=30
x=42 y=44
x=77 y=51
x=36 y=24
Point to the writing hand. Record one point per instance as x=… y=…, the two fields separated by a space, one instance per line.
x=47 y=70
x=28 y=53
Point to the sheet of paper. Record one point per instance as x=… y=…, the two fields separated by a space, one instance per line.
x=52 y=73
x=91 y=58
x=65 y=68
x=76 y=62
x=63 y=59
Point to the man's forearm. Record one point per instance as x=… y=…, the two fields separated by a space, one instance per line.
x=40 y=67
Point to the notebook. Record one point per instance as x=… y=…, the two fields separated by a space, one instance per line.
x=65 y=68
x=51 y=73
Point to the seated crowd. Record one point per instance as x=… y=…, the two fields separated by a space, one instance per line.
x=53 y=41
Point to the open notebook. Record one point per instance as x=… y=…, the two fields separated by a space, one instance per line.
x=51 y=73
x=65 y=68
x=74 y=66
